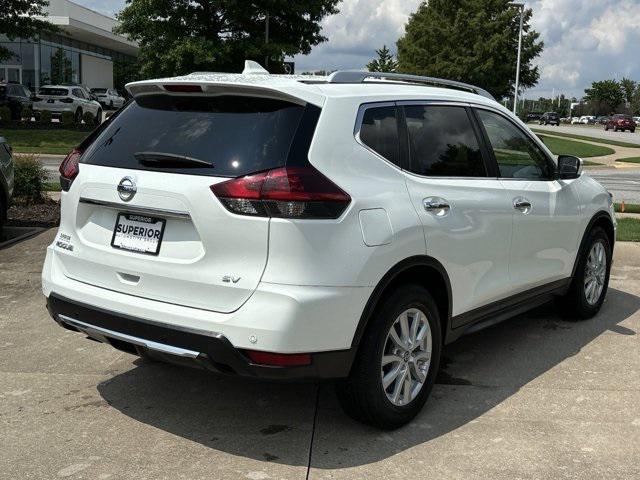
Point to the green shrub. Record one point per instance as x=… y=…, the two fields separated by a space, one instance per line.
x=45 y=117
x=26 y=114
x=29 y=178
x=68 y=118
x=88 y=118
x=5 y=114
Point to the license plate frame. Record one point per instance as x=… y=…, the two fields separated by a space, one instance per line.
x=142 y=219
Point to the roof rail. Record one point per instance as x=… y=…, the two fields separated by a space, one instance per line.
x=359 y=76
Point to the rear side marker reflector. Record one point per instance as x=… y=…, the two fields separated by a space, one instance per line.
x=279 y=359
x=287 y=192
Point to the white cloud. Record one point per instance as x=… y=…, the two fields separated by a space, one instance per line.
x=585 y=40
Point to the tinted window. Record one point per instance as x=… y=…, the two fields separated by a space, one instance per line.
x=515 y=152
x=61 y=92
x=78 y=93
x=98 y=90
x=379 y=132
x=238 y=135
x=442 y=142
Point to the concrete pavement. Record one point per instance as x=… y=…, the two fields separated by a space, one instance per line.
x=534 y=397
x=624 y=184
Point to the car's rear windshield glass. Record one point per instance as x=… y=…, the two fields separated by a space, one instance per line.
x=626 y=117
x=98 y=90
x=54 y=91
x=236 y=135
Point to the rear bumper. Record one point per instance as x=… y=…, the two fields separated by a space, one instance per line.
x=209 y=350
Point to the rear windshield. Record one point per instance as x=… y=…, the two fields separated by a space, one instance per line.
x=621 y=116
x=236 y=135
x=98 y=90
x=59 y=92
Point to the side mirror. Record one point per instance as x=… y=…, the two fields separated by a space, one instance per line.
x=569 y=167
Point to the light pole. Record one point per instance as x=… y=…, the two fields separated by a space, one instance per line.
x=515 y=94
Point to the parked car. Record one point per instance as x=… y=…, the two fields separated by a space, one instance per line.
x=587 y=120
x=550 y=118
x=6 y=179
x=59 y=98
x=108 y=97
x=637 y=120
x=575 y=120
x=15 y=96
x=262 y=255
x=620 y=122
x=533 y=116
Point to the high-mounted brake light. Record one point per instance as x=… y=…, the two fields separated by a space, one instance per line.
x=279 y=359
x=287 y=192
x=69 y=169
x=183 y=88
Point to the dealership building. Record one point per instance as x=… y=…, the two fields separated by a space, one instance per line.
x=84 y=51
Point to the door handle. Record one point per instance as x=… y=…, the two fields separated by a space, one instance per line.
x=522 y=204
x=437 y=205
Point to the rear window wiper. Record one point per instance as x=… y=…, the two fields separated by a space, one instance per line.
x=169 y=160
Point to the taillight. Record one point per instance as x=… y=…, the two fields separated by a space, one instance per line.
x=69 y=169
x=279 y=359
x=287 y=192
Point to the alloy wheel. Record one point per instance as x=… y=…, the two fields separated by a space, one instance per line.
x=406 y=357
x=595 y=273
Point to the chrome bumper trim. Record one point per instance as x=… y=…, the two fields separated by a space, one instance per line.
x=122 y=207
x=103 y=334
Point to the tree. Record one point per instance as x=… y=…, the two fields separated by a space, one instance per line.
x=61 y=69
x=604 y=96
x=384 y=62
x=473 y=41
x=182 y=36
x=17 y=20
x=629 y=88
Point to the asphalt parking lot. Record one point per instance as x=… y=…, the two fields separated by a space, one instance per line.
x=534 y=397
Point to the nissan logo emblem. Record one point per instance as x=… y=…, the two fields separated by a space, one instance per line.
x=127 y=189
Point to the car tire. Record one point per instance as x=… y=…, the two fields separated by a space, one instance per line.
x=362 y=394
x=580 y=302
x=97 y=120
x=3 y=212
x=78 y=117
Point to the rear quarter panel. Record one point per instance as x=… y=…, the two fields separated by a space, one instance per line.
x=334 y=252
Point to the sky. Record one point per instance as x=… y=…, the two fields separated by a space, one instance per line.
x=585 y=40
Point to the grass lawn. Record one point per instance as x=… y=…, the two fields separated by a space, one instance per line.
x=570 y=147
x=53 y=141
x=629 y=160
x=591 y=139
x=628 y=208
x=51 y=186
x=628 y=230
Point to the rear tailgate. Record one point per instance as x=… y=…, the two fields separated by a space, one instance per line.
x=159 y=146
x=202 y=242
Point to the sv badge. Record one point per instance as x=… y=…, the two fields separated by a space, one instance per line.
x=230 y=279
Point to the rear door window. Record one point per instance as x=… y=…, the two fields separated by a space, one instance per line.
x=234 y=135
x=55 y=92
x=379 y=132
x=442 y=142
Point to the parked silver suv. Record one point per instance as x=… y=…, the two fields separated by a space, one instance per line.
x=6 y=179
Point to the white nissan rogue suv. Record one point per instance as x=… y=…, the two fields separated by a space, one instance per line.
x=344 y=227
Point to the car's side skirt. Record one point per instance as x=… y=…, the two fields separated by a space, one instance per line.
x=496 y=312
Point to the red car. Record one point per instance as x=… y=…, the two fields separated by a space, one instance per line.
x=620 y=122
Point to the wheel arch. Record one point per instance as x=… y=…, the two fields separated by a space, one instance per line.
x=601 y=219
x=421 y=270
